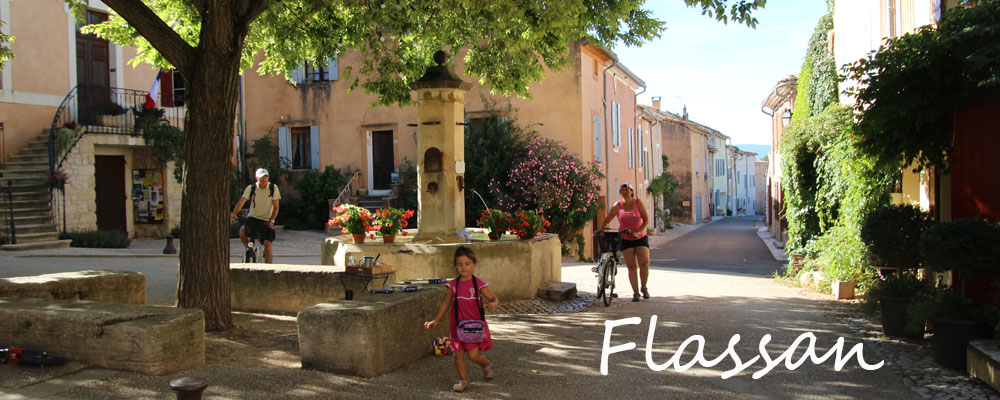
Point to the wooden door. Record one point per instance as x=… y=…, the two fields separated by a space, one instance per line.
x=110 y=187
x=383 y=160
x=93 y=71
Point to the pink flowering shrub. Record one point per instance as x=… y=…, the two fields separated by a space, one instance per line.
x=554 y=182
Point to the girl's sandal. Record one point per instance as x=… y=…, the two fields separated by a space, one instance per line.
x=460 y=386
x=488 y=371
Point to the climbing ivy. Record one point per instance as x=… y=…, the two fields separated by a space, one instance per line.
x=817 y=83
x=912 y=86
x=829 y=186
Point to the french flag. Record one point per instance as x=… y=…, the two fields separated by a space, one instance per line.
x=153 y=92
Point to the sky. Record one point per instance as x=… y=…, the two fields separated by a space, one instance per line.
x=723 y=72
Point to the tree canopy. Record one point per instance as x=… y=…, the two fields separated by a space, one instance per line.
x=509 y=42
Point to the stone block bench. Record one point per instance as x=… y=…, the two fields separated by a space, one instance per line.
x=372 y=334
x=110 y=286
x=288 y=289
x=146 y=339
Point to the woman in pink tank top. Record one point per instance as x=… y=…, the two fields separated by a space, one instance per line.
x=632 y=222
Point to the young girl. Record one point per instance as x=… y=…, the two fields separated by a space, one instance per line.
x=469 y=306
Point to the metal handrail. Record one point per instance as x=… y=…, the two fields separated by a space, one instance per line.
x=10 y=212
x=348 y=188
x=102 y=109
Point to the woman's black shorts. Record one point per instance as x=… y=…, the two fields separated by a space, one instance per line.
x=628 y=244
x=260 y=227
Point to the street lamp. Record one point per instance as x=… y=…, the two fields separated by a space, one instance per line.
x=786 y=118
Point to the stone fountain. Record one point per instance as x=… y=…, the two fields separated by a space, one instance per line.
x=514 y=268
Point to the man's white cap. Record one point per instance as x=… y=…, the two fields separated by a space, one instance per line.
x=261 y=172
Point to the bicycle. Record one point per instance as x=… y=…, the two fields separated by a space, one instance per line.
x=607 y=264
x=255 y=249
x=254 y=252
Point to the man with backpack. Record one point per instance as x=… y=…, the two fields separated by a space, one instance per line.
x=260 y=219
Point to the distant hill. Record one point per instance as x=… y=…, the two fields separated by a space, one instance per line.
x=760 y=149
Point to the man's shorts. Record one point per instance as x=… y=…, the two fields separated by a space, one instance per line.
x=260 y=227
x=628 y=244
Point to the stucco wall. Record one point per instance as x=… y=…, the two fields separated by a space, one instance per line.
x=677 y=146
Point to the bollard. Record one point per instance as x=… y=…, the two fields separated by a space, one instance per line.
x=188 y=388
x=170 y=249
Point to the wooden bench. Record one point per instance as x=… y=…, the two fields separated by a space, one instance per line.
x=146 y=339
x=372 y=334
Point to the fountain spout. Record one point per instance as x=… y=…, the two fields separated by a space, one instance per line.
x=480 y=199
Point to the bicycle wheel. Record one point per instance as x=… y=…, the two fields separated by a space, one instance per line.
x=249 y=256
x=609 y=281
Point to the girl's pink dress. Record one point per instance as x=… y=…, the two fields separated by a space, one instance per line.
x=468 y=308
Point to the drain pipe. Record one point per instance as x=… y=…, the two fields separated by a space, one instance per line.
x=635 y=128
x=607 y=145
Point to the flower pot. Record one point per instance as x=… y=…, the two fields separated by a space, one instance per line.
x=388 y=238
x=951 y=338
x=895 y=317
x=358 y=237
x=843 y=290
x=494 y=235
x=114 y=121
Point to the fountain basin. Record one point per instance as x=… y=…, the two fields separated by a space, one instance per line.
x=515 y=268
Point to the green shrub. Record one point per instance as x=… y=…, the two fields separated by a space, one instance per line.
x=97 y=239
x=969 y=245
x=312 y=210
x=892 y=234
x=905 y=285
x=943 y=302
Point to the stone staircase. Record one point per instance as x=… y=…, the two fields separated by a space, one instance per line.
x=372 y=203
x=27 y=172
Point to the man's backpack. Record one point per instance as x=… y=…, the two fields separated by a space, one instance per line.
x=253 y=191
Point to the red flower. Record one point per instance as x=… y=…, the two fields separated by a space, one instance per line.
x=404 y=233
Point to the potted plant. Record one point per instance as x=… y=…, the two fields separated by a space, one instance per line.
x=496 y=221
x=353 y=219
x=892 y=236
x=968 y=246
x=389 y=221
x=527 y=224
x=108 y=114
x=896 y=295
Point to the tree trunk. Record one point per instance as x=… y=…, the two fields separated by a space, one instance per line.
x=212 y=92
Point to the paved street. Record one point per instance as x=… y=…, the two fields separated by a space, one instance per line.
x=728 y=245
x=559 y=355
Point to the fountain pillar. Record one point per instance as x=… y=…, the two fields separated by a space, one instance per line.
x=440 y=154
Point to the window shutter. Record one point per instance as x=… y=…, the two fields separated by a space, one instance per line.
x=314 y=146
x=167 y=88
x=597 y=138
x=284 y=144
x=614 y=125
x=331 y=72
x=631 y=159
x=298 y=75
x=618 y=122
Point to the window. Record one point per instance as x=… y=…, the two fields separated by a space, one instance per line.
x=299 y=146
x=309 y=73
x=596 y=68
x=172 y=89
x=638 y=146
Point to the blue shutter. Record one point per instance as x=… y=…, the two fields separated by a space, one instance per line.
x=284 y=145
x=298 y=75
x=314 y=145
x=631 y=150
x=597 y=138
x=331 y=71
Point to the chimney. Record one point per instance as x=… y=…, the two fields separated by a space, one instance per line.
x=685 y=113
x=656 y=102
